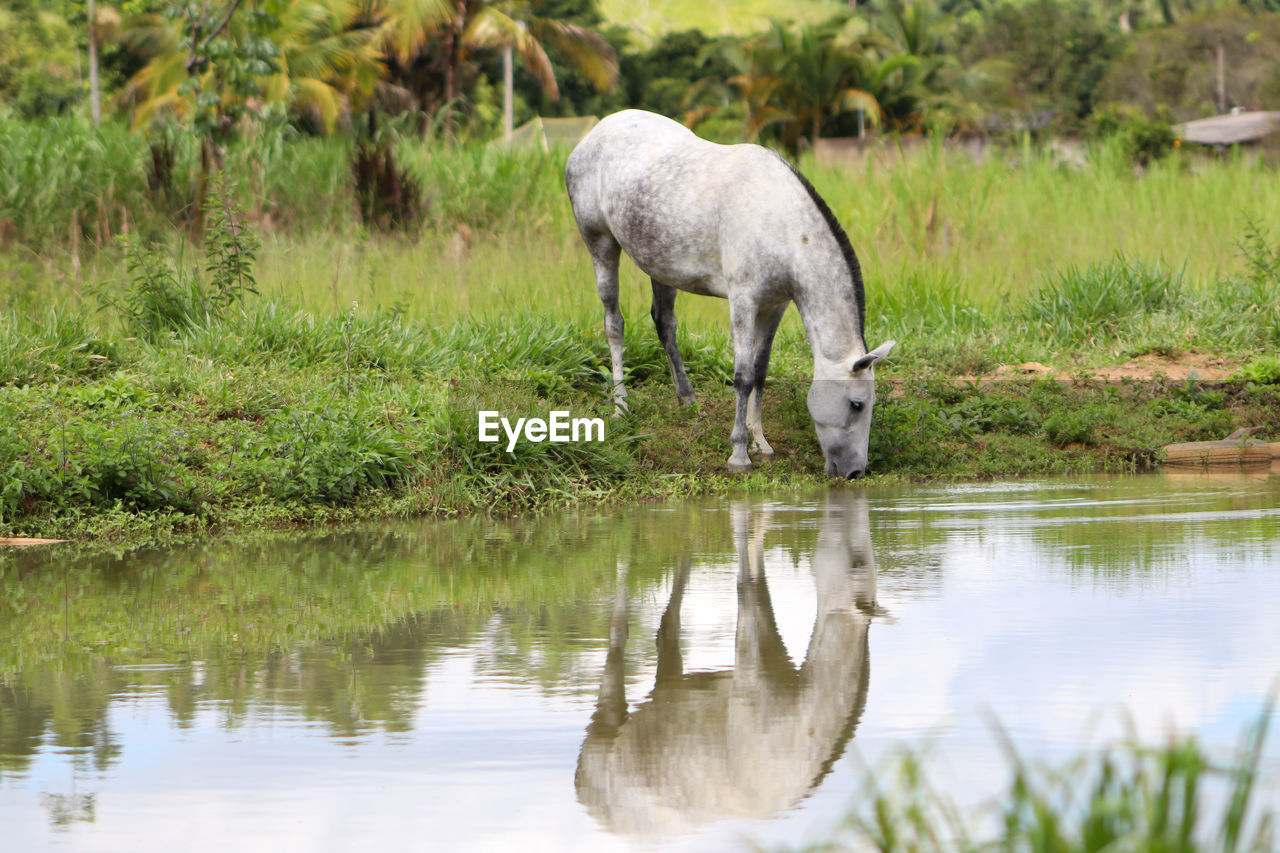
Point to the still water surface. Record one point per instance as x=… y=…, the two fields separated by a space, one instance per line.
x=694 y=676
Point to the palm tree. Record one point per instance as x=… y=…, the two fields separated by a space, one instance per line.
x=180 y=83
x=512 y=27
x=329 y=59
x=752 y=85
x=800 y=78
x=412 y=26
x=935 y=89
x=315 y=57
x=821 y=73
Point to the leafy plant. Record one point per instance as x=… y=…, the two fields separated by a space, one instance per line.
x=1261 y=255
x=231 y=248
x=1264 y=370
x=1071 y=427
x=161 y=297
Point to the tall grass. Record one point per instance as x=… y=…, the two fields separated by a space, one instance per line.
x=63 y=181
x=1177 y=798
x=997 y=226
x=966 y=262
x=1075 y=304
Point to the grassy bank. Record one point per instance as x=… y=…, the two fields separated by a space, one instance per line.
x=296 y=369
x=268 y=416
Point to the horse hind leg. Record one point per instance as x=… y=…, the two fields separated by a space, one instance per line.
x=742 y=323
x=664 y=319
x=604 y=258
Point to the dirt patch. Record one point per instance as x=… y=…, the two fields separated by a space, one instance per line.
x=1201 y=367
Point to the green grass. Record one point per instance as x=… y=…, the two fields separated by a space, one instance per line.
x=498 y=236
x=1180 y=797
x=154 y=393
x=267 y=416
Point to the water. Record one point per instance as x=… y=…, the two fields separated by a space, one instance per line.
x=696 y=676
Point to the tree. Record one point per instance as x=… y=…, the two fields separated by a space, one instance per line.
x=38 y=58
x=328 y=59
x=797 y=80
x=1061 y=50
x=819 y=73
x=936 y=89
x=203 y=75
x=1177 y=67
x=512 y=27
x=460 y=27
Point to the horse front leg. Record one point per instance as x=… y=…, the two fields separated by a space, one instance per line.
x=604 y=258
x=742 y=321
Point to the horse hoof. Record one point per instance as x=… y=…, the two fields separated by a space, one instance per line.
x=739 y=467
x=766 y=457
x=687 y=401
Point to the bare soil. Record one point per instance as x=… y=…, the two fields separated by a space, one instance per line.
x=1201 y=367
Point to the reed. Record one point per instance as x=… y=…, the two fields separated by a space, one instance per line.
x=1179 y=797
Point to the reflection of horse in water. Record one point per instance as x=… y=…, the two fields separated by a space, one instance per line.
x=745 y=742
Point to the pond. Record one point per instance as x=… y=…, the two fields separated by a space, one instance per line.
x=694 y=676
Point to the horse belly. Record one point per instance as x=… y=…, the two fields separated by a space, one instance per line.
x=672 y=246
x=697 y=273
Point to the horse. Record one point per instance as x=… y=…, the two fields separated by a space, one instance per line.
x=740 y=223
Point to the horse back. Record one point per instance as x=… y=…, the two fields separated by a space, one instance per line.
x=692 y=214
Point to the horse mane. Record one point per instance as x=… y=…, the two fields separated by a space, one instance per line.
x=842 y=239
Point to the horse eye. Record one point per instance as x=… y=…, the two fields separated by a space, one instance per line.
x=856 y=404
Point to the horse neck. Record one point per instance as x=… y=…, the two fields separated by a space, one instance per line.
x=831 y=322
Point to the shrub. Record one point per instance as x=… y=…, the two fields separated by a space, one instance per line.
x=1143 y=138
x=1265 y=370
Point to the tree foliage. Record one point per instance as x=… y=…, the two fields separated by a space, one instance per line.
x=1177 y=67
x=218 y=69
x=38 y=61
x=1061 y=49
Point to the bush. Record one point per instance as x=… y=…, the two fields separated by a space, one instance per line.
x=1143 y=138
x=1265 y=370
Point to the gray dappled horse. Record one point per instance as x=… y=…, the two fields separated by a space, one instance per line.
x=738 y=222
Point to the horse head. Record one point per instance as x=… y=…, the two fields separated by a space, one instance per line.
x=841 y=411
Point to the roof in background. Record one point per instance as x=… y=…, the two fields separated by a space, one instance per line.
x=544 y=132
x=1230 y=129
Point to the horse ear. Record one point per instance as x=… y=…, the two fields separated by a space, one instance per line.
x=872 y=357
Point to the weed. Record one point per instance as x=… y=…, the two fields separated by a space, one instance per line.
x=230 y=246
x=1071 y=427
x=1264 y=370
x=161 y=297
x=1261 y=256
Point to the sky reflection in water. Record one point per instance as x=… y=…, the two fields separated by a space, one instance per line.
x=675 y=677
